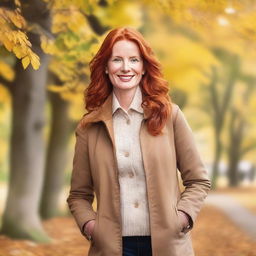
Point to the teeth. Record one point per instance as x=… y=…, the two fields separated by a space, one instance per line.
x=125 y=78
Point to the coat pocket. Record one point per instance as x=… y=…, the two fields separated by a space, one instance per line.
x=178 y=224
x=94 y=232
x=95 y=248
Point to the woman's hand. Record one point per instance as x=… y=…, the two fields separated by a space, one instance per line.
x=183 y=218
x=89 y=227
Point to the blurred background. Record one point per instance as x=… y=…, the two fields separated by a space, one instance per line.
x=208 y=54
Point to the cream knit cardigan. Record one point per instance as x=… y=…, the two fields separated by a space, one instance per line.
x=133 y=191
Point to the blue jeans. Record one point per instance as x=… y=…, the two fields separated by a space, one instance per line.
x=137 y=246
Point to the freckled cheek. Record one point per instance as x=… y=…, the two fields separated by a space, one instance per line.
x=114 y=68
x=138 y=69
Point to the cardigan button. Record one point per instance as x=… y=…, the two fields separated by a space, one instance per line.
x=128 y=121
x=126 y=154
x=136 y=204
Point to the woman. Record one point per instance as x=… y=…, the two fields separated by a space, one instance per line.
x=128 y=148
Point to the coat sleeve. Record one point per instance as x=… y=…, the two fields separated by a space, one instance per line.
x=189 y=163
x=81 y=193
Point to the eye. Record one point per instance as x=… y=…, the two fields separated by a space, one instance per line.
x=134 y=60
x=116 y=59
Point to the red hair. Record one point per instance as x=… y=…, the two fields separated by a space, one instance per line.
x=154 y=88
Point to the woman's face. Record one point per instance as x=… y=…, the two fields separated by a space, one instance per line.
x=125 y=66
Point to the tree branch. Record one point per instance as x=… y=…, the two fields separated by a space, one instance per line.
x=8 y=4
x=95 y=24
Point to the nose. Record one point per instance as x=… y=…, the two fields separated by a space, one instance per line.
x=125 y=66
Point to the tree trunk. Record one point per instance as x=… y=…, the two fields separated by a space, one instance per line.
x=237 y=129
x=61 y=128
x=235 y=139
x=220 y=103
x=233 y=172
x=21 y=218
x=216 y=161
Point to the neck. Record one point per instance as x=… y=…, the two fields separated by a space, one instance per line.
x=125 y=97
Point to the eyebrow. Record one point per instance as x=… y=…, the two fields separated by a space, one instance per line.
x=122 y=57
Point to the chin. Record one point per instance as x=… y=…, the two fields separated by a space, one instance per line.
x=125 y=87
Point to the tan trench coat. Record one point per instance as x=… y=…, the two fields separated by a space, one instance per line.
x=95 y=169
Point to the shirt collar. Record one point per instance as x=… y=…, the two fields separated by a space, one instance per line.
x=135 y=104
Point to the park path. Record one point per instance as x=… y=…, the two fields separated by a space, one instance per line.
x=241 y=216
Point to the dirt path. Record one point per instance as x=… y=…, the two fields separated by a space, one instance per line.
x=241 y=216
x=213 y=235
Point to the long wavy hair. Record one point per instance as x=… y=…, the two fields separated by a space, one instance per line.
x=155 y=98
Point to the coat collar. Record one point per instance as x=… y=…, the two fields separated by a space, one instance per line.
x=135 y=104
x=104 y=114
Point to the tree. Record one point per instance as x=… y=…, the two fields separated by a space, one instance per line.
x=231 y=29
x=217 y=103
x=20 y=218
x=239 y=128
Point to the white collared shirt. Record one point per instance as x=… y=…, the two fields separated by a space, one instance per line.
x=133 y=193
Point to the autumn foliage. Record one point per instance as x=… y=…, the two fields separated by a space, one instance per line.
x=207 y=51
x=14 y=39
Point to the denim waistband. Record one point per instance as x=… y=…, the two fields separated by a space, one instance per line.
x=136 y=238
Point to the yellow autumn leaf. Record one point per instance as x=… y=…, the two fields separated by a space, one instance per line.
x=59 y=21
x=25 y=62
x=47 y=45
x=22 y=39
x=8 y=44
x=56 y=88
x=76 y=109
x=17 y=2
x=123 y=16
x=3 y=14
x=76 y=21
x=17 y=19
x=19 y=51
x=6 y=71
x=9 y=35
x=35 y=62
x=5 y=100
x=3 y=148
x=110 y=2
x=63 y=71
x=2 y=20
x=182 y=59
x=67 y=95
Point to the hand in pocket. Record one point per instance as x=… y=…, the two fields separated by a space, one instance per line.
x=183 y=220
x=89 y=227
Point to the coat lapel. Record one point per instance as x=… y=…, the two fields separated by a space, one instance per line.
x=104 y=114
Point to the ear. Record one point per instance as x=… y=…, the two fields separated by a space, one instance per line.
x=106 y=71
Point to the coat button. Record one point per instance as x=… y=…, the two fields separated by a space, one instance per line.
x=126 y=154
x=136 y=204
x=128 y=121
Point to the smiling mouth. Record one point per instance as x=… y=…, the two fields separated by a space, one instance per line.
x=125 y=78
